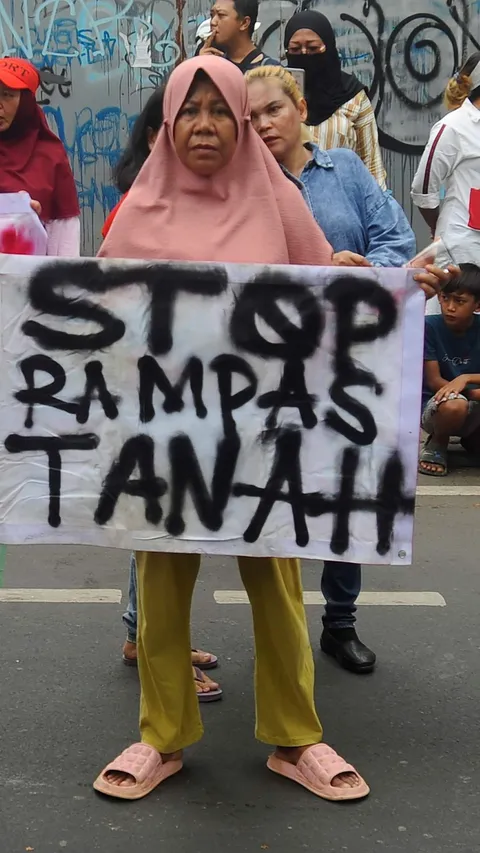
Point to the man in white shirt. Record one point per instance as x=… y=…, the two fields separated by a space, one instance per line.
x=452 y=160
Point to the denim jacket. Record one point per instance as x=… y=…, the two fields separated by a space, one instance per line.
x=352 y=210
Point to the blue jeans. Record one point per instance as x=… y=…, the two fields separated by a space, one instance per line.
x=341 y=584
x=130 y=615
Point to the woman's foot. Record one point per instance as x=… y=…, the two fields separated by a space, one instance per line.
x=204 y=660
x=129 y=653
x=124 y=780
x=293 y=754
x=207 y=690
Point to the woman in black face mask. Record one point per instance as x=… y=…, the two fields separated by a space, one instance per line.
x=339 y=111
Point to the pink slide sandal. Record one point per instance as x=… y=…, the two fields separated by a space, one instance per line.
x=316 y=769
x=145 y=764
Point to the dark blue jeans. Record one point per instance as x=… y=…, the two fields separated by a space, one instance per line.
x=341 y=585
x=130 y=615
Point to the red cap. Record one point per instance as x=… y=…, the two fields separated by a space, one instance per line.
x=19 y=74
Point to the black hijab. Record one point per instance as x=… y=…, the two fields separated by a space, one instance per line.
x=327 y=87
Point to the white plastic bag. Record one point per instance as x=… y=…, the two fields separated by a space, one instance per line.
x=21 y=232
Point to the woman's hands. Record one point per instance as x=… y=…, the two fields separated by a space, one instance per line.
x=431 y=280
x=350 y=259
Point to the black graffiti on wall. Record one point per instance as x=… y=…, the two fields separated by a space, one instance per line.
x=49 y=82
x=417 y=32
x=423 y=29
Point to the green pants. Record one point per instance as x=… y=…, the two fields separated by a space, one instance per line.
x=284 y=672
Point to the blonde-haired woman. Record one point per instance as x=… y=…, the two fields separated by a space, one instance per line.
x=366 y=227
x=460 y=86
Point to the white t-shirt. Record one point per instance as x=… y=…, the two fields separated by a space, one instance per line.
x=452 y=160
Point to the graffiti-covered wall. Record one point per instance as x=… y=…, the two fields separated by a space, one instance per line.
x=111 y=53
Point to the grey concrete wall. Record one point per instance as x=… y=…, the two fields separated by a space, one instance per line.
x=113 y=52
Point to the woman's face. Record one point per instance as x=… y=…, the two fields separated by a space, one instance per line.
x=205 y=133
x=305 y=41
x=9 y=102
x=275 y=117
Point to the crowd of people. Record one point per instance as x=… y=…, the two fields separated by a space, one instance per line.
x=282 y=176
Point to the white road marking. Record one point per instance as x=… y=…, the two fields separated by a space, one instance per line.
x=388 y=599
x=447 y=491
x=61 y=596
x=221 y=596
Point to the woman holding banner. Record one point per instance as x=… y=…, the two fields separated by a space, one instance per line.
x=250 y=213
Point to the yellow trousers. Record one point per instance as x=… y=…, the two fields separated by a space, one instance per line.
x=284 y=672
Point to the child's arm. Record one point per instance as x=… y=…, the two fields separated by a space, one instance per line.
x=457 y=386
x=433 y=378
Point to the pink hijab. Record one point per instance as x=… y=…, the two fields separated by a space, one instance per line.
x=248 y=212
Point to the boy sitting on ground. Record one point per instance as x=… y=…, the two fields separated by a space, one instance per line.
x=452 y=347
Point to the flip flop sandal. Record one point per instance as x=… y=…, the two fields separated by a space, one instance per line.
x=144 y=764
x=212 y=695
x=433 y=456
x=316 y=770
x=211 y=664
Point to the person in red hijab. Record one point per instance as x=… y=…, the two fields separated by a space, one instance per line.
x=34 y=160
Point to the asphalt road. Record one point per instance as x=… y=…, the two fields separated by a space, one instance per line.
x=69 y=705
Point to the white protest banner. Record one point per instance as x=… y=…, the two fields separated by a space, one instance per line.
x=212 y=409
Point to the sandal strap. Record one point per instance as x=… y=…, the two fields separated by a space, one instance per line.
x=199 y=676
x=321 y=762
x=138 y=760
x=434 y=456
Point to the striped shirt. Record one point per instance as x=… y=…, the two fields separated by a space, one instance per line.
x=353 y=126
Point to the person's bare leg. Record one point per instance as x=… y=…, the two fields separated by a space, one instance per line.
x=449 y=420
x=471 y=442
